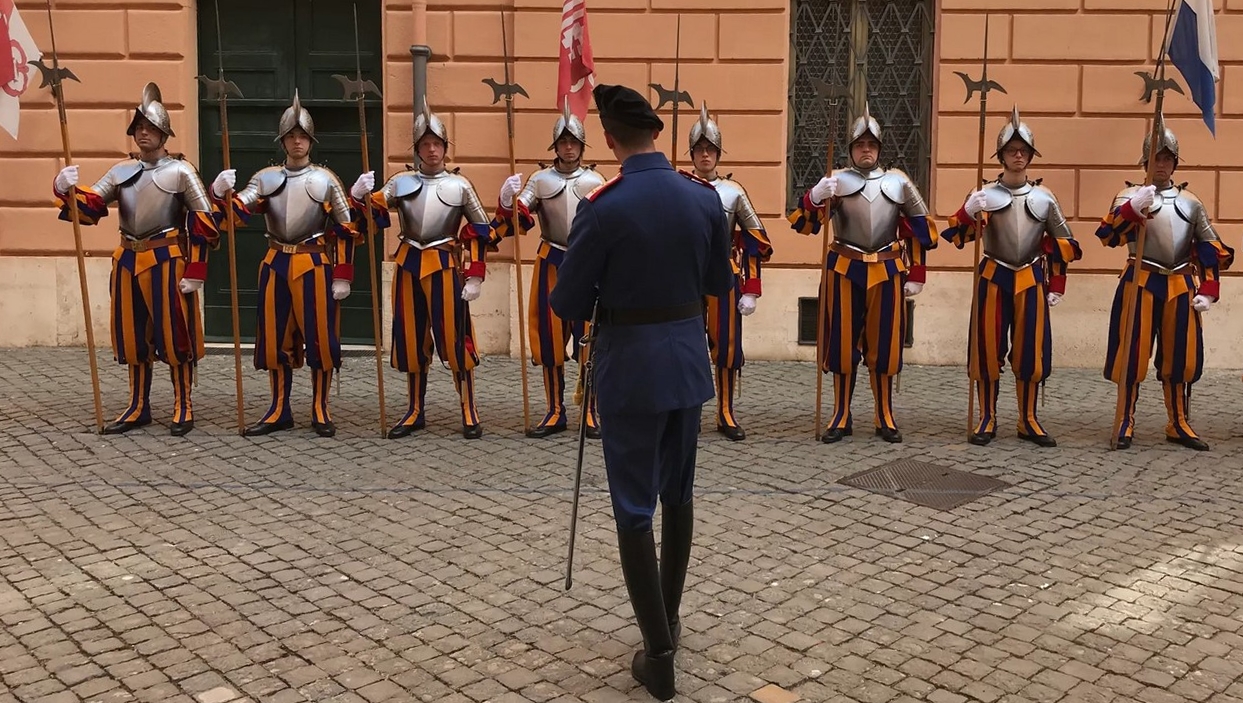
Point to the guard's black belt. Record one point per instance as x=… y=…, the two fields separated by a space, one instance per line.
x=650 y=316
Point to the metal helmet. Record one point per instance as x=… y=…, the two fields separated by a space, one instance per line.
x=1165 y=140
x=152 y=109
x=705 y=128
x=568 y=122
x=1015 y=128
x=296 y=116
x=425 y=122
x=865 y=124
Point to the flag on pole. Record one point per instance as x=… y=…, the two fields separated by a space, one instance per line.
x=17 y=48
x=1193 y=50
x=577 y=70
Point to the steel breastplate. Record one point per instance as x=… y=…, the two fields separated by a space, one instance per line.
x=431 y=214
x=149 y=204
x=730 y=201
x=866 y=220
x=559 y=195
x=294 y=215
x=1169 y=237
x=1014 y=236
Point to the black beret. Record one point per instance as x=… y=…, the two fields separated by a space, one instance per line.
x=626 y=106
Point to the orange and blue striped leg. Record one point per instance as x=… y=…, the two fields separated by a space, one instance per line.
x=840 y=423
x=416 y=384
x=321 y=386
x=886 y=423
x=554 y=395
x=1030 y=429
x=279 y=415
x=138 y=413
x=465 y=382
x=183 y=411
x=726 y=423
x=1179 y=428
x=987 y=391
x=1127 y=432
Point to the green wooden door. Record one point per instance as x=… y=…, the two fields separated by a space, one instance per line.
x=270 y=48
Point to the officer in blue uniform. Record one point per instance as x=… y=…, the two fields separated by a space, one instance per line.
x=646 y=247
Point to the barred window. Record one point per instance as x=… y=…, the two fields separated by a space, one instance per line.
x=880 y=52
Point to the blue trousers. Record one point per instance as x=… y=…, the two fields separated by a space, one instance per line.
x=648 y=456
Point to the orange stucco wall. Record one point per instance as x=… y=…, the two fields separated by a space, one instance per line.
x=1069 y=63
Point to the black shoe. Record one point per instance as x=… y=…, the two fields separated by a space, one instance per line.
x=889 y=434
x=541 y=431
x=835 y=434
x=652 y=666
x=120 y=427
x=324 y=429
x=733 y=433
x=593 y=432
x=1190 y=442
x=1124 y=443
x=399 y=431
x=980 y=439
x=472 y=431
x=261 y=428
x=181 y=429
x=1042 y=440
x=677 y=530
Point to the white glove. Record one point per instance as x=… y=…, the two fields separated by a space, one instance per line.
x=1054 y=299
x=1143 y=198
x=224 y=182
x=510 y=188
x=975 y=202
x=911 y=288
x=1201 y=303
x=471 y=289
x=189 y=285
x=822 y=191
x=363 y=186
x=340 y=289
x=66 y=179
x=746 y=304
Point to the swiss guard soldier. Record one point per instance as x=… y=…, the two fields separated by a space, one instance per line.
x=750 y=248
x=308 y=268
x=553 y=194
x=1027 y=246
x=882 y=233
x=439 y=269
x=650 y=354
x=167 y=227
x=1180 y=248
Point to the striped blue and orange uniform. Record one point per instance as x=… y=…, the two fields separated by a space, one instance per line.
x=864 y=314
x=1012 y=307
x=751 y=249
x=298 y=321
x=1164 y=317
x=548 y=334
x=151 y=319
x=428 y=310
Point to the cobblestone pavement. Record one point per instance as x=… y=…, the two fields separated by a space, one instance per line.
x=215 y=568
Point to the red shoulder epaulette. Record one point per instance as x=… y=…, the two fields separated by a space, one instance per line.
x=595 y=192
x=695 y=178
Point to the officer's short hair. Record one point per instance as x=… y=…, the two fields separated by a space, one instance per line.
x=627 y=136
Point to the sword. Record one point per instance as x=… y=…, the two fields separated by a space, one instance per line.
x=220 y=90
x=356 y=90
x=583 y=400
x=52 y=76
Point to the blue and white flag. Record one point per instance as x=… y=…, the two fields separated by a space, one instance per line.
x=1193 y=50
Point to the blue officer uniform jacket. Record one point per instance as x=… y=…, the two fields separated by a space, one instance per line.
x=650 y=238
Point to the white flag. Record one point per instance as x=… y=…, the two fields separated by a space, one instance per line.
x=17 y=49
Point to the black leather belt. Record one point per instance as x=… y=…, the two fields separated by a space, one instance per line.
x=650 y=316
